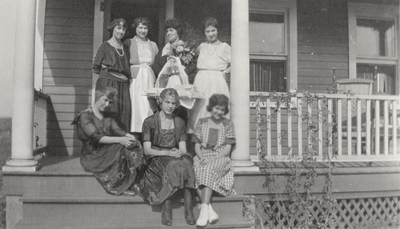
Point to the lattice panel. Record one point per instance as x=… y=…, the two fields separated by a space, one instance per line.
x=345 y=213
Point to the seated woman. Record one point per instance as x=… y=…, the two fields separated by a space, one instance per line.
x=110 y=153
x=213 y=138
x=169 y=166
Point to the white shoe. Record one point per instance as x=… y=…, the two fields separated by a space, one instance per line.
x=203 y=217
x=212 y=216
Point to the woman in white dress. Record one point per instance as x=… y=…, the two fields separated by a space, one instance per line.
x=142 y=54
x=213 y=63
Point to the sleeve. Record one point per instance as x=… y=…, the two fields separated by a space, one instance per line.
x=227 y=53
x=159 y=62
x=116 y=130
x=230 y=134
x=146 y=130
x=197 y=133
x=89 y=128
x=98 y=59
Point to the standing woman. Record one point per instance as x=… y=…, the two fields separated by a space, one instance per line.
x=214 y=137
x=109 y=152
x=142 y=53
x=169 y=166
x=213 y=63
x=112 y=63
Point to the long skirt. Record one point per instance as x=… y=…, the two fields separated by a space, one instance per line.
x=114 y=166
x=164 y=176
x=122 y=104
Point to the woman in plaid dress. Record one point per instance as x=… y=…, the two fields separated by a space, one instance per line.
x=213 y=138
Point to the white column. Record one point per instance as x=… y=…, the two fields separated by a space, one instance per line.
x=23 y=94
x=240 y=85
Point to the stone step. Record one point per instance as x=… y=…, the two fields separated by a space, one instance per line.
x=107 y=211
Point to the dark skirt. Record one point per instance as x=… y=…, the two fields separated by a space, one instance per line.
x=114 y=166
x=164 y=176
x=122 y=105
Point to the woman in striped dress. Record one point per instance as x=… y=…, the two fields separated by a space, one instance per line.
x=214 y=137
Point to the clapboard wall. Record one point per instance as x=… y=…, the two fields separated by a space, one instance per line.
x=67 y=75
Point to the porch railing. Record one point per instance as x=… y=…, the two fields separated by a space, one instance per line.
x=40 y=122
x=342 y=126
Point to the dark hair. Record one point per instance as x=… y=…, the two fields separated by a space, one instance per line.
x=218 y=100
x=175 y=24
x=115 y=22
x=211 y=21
x=144 y=20
x=167 y=92
x=109 y=92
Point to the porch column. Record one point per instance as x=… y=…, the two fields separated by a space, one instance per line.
x=23 y=94
x=240 y=86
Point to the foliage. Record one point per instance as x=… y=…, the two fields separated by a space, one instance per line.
x=297 y=208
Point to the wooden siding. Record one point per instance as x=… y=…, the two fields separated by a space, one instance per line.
x=67 y=75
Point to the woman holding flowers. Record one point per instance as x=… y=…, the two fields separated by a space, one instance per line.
x=213 y=63
x=142 y=54
x=174 y=63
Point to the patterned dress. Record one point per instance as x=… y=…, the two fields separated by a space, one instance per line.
x=164 y=175
x=218 y=174
x=114 y=165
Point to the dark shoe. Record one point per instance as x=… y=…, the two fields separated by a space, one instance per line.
x=188 y=200
x=166 y=213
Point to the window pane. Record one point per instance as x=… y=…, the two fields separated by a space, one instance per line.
x=267 y=33
x=383 y=77
x=267 y=76
x=375 y=38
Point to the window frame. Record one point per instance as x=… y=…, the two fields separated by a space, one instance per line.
x=289 y=9
x=372 y=11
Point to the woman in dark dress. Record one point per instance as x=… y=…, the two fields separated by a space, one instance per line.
x=169 y=166
x=110 y=153
x=112 y=65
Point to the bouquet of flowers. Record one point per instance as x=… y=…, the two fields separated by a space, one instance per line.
x=185 y=52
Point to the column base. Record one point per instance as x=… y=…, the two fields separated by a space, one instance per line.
x=244 y=165
x=20 y=165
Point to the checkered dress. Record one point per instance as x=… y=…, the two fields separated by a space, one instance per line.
x=218 y=174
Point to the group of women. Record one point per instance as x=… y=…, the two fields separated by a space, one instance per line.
x=110 y=129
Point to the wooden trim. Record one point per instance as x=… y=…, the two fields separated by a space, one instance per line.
x=289 y=8
x=97 y=37
x=39 y=43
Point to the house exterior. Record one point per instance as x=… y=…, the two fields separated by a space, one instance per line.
x=283 y=46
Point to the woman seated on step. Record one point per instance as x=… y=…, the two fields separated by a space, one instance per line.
x=109 y=152
x=214 y=137
x=169 y=166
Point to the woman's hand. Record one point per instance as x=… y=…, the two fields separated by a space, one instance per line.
x=175 y=153
x=127 y=141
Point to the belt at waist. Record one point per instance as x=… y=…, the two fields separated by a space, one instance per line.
x=113 y=75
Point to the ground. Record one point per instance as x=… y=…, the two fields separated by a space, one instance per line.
x=5 y=152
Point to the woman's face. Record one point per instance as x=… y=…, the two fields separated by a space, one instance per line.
x=103 y=103
x=119 y=32
x=141 y=31
x=218 y=112
x=172 y=35
x=211 y=33
x=168 y=104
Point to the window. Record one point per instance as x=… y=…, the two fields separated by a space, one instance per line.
x=273 y=45
x=373 y=45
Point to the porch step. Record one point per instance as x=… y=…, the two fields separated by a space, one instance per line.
x=107 y=211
